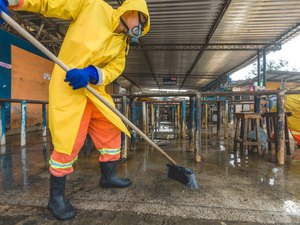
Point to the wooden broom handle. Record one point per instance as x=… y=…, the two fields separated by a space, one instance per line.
x=47 y=52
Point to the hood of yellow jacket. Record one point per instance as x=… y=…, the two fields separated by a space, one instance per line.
x=130 y=5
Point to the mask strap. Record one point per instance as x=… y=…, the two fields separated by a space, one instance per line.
x=143 y=24
x=124 y=24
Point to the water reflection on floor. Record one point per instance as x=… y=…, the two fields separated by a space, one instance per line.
x=234 y=188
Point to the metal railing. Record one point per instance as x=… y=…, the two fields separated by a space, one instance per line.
x=23 y=102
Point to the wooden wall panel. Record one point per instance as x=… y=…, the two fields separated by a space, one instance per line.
x=30 y=80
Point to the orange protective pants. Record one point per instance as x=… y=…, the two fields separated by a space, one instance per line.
x=106 y=138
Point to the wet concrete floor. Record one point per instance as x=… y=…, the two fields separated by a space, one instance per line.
x=233 y=189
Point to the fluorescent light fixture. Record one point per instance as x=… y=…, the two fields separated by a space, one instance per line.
x=168 y=90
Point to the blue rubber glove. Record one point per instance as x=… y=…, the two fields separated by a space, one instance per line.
x=79 y=78
x=3 y=7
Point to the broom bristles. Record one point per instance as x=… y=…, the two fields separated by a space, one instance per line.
x=183 y=175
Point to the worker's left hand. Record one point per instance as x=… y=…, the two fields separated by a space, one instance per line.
x=3 y=7
x=79 y=78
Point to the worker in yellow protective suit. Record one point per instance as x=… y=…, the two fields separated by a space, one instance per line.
x=95 y=46
x=292 y=104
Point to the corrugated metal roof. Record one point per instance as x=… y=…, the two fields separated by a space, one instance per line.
x=199 y=23
x=188 y=38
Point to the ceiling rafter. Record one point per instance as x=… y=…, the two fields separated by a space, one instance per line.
x=211 y=47
x=166 y=75
x=209 y=36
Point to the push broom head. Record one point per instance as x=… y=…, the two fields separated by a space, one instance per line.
x=183 y=175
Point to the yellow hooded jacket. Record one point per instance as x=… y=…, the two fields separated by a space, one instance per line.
x=90 y=40
x=292 y=105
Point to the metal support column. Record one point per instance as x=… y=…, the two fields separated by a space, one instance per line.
x=258 y=67
x=44 y=115
x=144 y=117
x=24 y=168
x=280 y=129
x=257 y=98
x=218 y=117
x=191 y=123
x=229 y=113
x=23 y=123
x=124 y=136
x=183 y=118
x=178 y=121
x=133 y=118
x=133 y=113
x=45 y=149
x=226 y=119
x=2 y=125
x=198 y=133
x=206 y=115
x=174 y=120
x=233 y=113
x=152 y=121
x=157 y=121
x=264 y=68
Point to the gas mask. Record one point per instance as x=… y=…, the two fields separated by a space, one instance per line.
x=136 y=32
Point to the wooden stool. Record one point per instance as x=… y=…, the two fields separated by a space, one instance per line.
x=246 y=122
x=271 y=122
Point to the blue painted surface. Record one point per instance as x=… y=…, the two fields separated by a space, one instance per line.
x=174 y=120
x=139 y=112
x=5 y=73
x=192 y=113
x=44 y=113
x=257 y=98
x=133 y=109
x=133 y=118
x=199 y=121
x=218 y=117
x=183 y=110
x=2 y=125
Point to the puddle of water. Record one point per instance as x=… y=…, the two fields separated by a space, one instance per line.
x=291 y=207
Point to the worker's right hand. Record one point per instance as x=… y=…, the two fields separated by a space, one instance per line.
x=79 y=78
x=3 y=8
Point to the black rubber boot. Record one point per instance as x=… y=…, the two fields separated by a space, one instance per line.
x=109 y=178
x=60 y=208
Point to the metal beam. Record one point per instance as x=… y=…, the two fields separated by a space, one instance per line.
x=247 y=62
x=211 y=47
x=196 y=76
x=209 y=36
x=291 y=33
x=149 y=64
x=131 y=81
